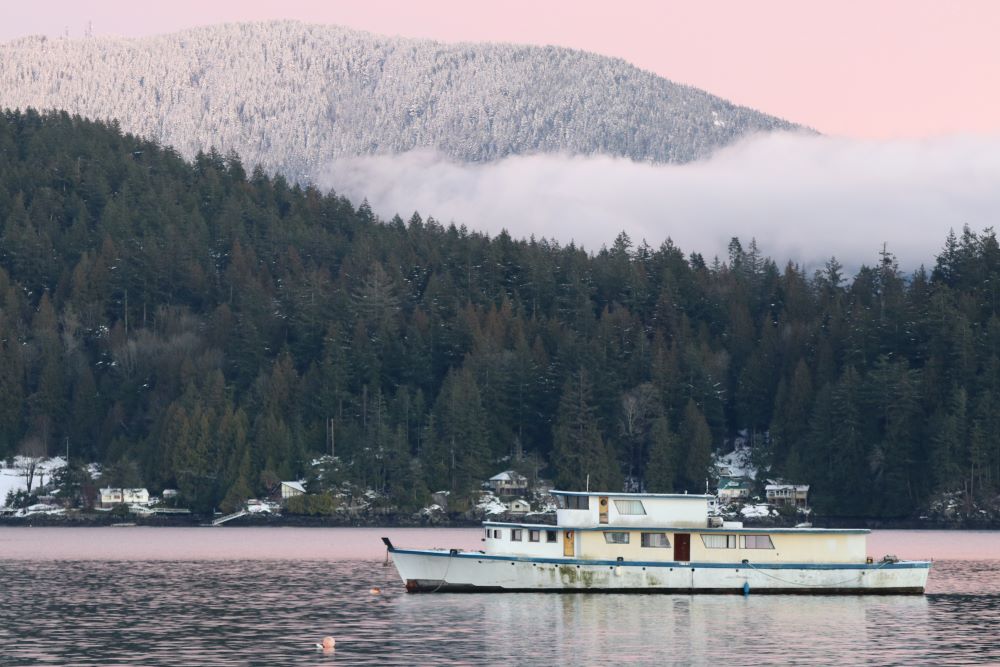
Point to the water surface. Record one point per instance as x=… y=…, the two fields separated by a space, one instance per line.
x=264 y=596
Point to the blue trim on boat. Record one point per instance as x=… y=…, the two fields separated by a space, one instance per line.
x=900 y=565
x=682 y=529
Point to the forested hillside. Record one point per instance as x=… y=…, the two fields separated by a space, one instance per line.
x=292 y=97
x=193 y=325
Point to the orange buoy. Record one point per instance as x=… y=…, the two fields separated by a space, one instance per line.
x=375 y=590
x=329 y=642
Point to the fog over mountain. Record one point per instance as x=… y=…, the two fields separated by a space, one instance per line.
x=292 y=96
x=803 y=197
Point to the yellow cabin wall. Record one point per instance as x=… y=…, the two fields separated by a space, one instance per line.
x=788 y=548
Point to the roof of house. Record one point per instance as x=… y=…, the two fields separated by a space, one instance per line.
x=508 y=476
x=797 y=487
x=612 y=494
x=735 y=484
x=294 y=485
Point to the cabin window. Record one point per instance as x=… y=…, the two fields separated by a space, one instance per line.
x=550 y=536
x=576 y=502
x=615 y=537
x=496 y=533
x=515 y=534
x=719 y=541
x=489 y=533
x=533 y=535
x=630 y=507
x=655 y=540
x=756 y=542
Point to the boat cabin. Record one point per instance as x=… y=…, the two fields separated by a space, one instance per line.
x=663 y=527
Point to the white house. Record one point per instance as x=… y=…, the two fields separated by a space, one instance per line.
x=111 y=496
x=291 y=489
x=518 y=506
x=509 y=483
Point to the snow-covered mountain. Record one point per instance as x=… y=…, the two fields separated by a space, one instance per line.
x=292 y=97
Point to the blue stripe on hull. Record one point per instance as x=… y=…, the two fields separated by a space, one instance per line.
x=902 y=565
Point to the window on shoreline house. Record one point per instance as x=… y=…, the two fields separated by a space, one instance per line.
x=615 y=537
x=756 y=542
x=550 y=536
x=655 y=540
x=719 y=541
x=575 y=502
x=533 y=535
x=515 y=534
x=630 y=507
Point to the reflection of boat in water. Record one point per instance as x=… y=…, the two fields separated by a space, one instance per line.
x=657 y=542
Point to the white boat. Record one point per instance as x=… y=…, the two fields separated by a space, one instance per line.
x=643 y=542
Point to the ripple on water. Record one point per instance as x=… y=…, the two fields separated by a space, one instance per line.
x=266 y=612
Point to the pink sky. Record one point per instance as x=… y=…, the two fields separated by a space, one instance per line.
x=873 y=69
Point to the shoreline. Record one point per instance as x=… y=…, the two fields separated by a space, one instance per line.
x=409 y=521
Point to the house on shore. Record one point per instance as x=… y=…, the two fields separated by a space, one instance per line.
x=292 y=489
x=783 y=495
x=734 y=490
x=509 y=483
x=518 y=506
x=109 y=497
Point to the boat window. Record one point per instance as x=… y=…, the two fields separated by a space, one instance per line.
x=719 y=541
x=655 y=540
x=615 y=537
x=496 y=533
x=489 y=533
x=756 y=542
x=533 y=535
x=575 y=502
x=550 y=536
x=630 y=507
x=515 y=534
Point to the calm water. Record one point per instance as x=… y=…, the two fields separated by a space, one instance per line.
x=264 y=596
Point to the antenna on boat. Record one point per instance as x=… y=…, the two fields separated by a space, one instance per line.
x=588 y=482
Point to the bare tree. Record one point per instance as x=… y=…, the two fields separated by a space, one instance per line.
x=32 y=450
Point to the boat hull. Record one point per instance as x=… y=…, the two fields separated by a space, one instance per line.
x=454 y=571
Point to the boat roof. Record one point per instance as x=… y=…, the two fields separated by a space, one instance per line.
x=679 y=529
x=613 y=494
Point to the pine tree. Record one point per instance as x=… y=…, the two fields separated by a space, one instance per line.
x=697 y=438
x=579 y=451
x=661 y=468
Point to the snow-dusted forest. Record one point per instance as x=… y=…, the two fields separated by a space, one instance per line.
x=291 y=96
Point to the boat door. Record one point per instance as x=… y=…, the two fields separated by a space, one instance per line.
x=568 y=543
x=682 y=547
x=603 y=506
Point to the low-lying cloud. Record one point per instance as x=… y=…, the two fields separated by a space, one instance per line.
x=804 y=198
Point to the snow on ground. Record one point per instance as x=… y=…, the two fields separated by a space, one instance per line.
x=12 y=477
x=757 y=511
x=490 y=504
x=431 y=510
x=738 y=462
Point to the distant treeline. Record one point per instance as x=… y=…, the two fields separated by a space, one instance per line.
x=193 y=326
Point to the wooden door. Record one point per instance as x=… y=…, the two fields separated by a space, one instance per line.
x=603 y=505
x=568 y=543
x=682 y=547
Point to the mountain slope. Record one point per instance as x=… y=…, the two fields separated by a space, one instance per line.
x=291 y=96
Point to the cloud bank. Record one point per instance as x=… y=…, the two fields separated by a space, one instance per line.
x=804 y=198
